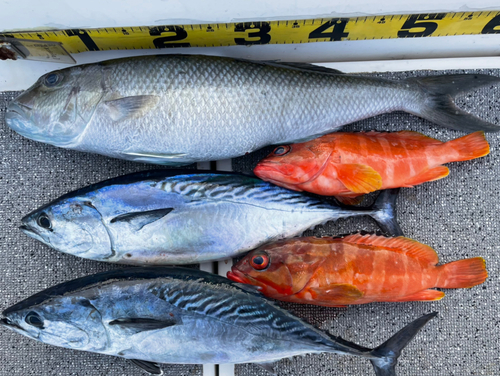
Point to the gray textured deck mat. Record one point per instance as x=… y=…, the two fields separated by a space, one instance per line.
x=458 y=216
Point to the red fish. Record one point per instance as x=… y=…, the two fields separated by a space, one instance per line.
x=348 y=165
x=355 y=269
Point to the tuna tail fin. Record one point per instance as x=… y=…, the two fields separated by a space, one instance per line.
x=387 y=354
x=462 y=273
x=438 y=106
x=469 y=147
x=383 y=211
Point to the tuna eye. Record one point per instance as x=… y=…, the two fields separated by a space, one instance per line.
x=51 y=80
x=260 y=261
x=282 y=150
x=44 y=221
x=34 y=319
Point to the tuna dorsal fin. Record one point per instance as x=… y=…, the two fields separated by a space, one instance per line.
x=359 y=178
x=138 y=220
x=140 y=324
x=119 y=109
x=269 y=367
x=149 y=367
x=430 y=174
x=337 y=291
x=349 y=200
x=400 y=244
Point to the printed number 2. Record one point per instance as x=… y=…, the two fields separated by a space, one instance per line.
x=258 y=30
x=336 y=34
x=162 y=42
x=420 y=21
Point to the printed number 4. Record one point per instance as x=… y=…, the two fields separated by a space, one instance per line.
x=337 y=32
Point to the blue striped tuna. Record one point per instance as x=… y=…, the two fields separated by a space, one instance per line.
x=174 y=217
x=168 y=315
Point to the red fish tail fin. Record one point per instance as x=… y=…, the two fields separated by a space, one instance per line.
x=462 y=273
x=469 y=147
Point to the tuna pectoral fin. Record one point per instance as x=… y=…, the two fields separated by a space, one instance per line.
x=430 y=174
x=359 y=178
x=149 y=367
x=138 y=105
x=140 y=219
x=346 y=293
x=389 y=351
x=437 y=103
x=142 y=324
x=421 y=296
x=383 y=211
x=158 y=158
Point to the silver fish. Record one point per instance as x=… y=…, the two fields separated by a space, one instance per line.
x=169 y=315
x=179 y=109
x=173 y=217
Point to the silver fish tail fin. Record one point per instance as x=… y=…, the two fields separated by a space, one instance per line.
x=387 y=354
x=383 y=211
x=437 y=104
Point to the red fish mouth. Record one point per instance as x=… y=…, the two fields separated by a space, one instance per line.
x=235 y=276
x=269 y=169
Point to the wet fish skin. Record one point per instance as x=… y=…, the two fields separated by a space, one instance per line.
x=173 y=109
x=183 y=217
x=353 y=269
x=176 y=315
x=348 y=165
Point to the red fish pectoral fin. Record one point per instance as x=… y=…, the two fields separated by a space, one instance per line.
x=346 y=293
x=359 y=178
x=425 y=295
x=429 y=175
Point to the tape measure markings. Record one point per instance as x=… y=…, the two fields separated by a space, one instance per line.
x=265 y=32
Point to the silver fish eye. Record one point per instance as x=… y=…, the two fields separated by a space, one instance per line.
x=44 y=221
x=52 y=79
x=34 y=319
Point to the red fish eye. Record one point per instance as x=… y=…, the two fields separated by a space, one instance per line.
x=260 y=261
x=282 y=150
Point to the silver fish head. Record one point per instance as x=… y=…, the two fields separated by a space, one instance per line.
x=71 y=225
x=65 y=321
x=58 y=107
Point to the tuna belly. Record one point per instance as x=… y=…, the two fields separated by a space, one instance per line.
x=205 y=340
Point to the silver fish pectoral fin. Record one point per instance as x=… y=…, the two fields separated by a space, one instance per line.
x=149 y=367
x=139 y=105
x=138 y=220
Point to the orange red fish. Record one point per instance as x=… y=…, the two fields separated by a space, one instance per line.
x=355 y=269
x=348 y=165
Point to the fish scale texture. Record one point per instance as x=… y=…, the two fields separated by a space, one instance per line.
x=457 y=216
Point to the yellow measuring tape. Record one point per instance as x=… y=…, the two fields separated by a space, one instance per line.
x=51 y=44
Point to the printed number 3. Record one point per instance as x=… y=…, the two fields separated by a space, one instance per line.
x=258 y=30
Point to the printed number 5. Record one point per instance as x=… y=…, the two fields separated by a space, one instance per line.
x=420 y=21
